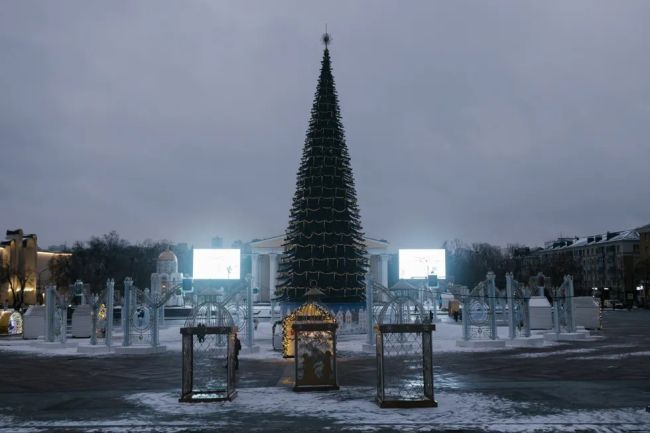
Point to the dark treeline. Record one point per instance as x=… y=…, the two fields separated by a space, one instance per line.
x=110 y=256
x=468 y=264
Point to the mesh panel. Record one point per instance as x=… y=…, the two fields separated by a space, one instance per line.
x=210 y=314
x=403 y=366
x=478 y=315
x=210 y=366
x=141 y=325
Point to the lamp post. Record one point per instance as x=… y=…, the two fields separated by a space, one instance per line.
x=640 y=290
x=370 y=310
x=249 y=311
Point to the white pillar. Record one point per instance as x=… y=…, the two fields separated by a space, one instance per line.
x=273 y=273
x=384 y=270
x=255 y=281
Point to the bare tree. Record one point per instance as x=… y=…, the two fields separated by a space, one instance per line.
x=16 y=280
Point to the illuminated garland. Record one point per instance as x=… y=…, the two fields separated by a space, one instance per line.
x=324 y=242
x=309 y=312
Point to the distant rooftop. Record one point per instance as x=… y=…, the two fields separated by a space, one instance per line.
x=596 y=239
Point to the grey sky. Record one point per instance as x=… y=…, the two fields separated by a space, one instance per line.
x=484 y=121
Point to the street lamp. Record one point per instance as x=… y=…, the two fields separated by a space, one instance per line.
x=640 y=293
x=606 y=296
x=249 y=311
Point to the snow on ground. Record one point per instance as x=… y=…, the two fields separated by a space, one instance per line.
x=614 y=356
x=444 y=340
x=35 y=348
x=355 y=409
x=127 y=425
x=555 y=353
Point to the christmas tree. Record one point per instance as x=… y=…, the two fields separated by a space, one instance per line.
x=324 y=246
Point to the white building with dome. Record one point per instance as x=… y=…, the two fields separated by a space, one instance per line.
x=167 y=277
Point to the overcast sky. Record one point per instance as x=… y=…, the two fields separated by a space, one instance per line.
x=500 y=121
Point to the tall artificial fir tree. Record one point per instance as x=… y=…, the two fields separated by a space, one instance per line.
x=324 y=245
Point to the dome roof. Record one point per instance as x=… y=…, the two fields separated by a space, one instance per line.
x=167 y=256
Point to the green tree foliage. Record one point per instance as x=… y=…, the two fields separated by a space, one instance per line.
x=324 y=240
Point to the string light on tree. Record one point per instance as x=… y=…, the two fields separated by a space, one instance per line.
x=324 y=239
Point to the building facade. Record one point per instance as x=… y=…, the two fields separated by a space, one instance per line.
x=266 y=257
x=26 y=269
x=607 y=261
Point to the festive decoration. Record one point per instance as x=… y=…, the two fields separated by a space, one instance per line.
x=309 y=312
x=15 y=323
x=315 y=359
x=324 y=239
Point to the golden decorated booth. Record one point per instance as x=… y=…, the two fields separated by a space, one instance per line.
x=310 y=312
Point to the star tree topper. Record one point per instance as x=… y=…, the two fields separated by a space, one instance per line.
x=326 y=38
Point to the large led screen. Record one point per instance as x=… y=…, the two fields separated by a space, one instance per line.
x=216 y=264
x=422 y=263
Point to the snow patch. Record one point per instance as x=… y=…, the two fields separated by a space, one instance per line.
x=354 y=409
x=614 y=356
x=554 y=353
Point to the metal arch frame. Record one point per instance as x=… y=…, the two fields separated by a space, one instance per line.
x=56 y=304
x=194 y=320
x=518 y=300
x=375 y=307
x=139 y=300
x=563 y=306
x=401 y=301
x=239 y=298
x=484 y=289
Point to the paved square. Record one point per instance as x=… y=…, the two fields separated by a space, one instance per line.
x=601 y=385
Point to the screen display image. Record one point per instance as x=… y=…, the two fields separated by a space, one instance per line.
x=216 y=264
x=418 y=264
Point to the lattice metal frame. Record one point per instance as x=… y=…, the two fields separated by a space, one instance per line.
x=56 y=315
x=141 y=319
x=521 y=312
x=405 y=365
x=210 y=314
x=208 y=365
x=479 y=313
x=563 y=314
x=236 y=304
x=402 y=309
x=518 y=308
x=315 y=356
